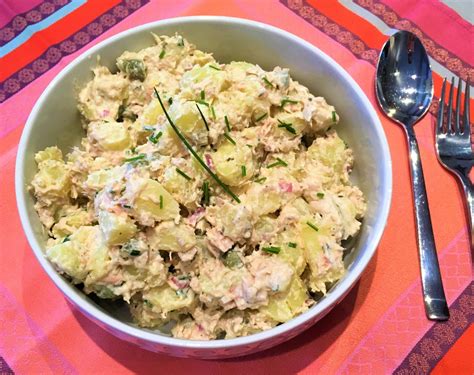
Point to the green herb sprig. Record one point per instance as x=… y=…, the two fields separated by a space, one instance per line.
x=272 y=249
x=183 y=174
x=194 y=153
x=312 y=226
x=278 y=163
x=288 y=126
x=155 y=137
x=265 y=79
x=135 y=158
x=287 y=101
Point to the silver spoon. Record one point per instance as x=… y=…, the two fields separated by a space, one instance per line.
x=404 y=88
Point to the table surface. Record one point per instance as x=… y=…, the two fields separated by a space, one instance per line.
x=380 y=326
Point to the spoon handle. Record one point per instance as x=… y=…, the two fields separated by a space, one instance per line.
x=433 y=293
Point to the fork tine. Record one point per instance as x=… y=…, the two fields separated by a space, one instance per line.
x=450 y=106
x=439 y=121
x=466 y=120
x=457 y=125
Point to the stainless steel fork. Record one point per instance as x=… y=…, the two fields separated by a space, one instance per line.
x=453 y=144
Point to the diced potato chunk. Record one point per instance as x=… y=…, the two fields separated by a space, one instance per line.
x=151 y=113
x=155 y=202
x=169 y=236
x=234 y=163
x=49 y=153
x=187 y=118
x=284 y=306
x=111 y=136
x=52 y=180
x=164 y=299
x=117 y=229
x=83 y=256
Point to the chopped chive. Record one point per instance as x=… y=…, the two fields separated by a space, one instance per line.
x=135 y=158
x=205 y=188
x=194 y=153
x=170 y=100
x=181 y=41
x=183 y=174
x=202 y=102
x=148 y=128
x=162 y=53
x=229 y=138
x=212 y=112
x=292 y=244
x=288 y=126
x=311 y=225
x=132 y=150
x=278 y=162
x=161 y=202
x=203 y=95
x=261 y=117
x=272 y=249
x=334 y=118
x=214 y=67
x=244 y=171
x=203 y=118
x=265 y=79
x=126 y=206
x=260 y=180
x=135 y=253
x=66 y=239
x=227 y=124
x=286 y=101
x=320 y=195
x=154 y=138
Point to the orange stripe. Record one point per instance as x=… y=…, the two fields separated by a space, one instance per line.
x=339 y=14
x=458 y=360
x=59 y=31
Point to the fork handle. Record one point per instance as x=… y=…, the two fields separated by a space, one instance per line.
x=433 y=293
x=469 y=192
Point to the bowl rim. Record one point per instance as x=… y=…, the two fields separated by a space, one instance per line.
x=95 y=312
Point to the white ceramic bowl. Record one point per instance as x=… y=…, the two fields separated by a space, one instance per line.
x=55 y=121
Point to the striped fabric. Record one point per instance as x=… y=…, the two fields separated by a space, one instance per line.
x=379 y=327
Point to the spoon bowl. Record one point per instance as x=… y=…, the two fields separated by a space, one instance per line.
x=404 y=89
x=404 y=83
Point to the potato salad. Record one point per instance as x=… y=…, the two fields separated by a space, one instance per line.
x=213 y=199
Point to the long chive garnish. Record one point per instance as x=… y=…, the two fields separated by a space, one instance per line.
x=260 y=180
x=203 y=118
x=183 y=174
x=227 y=124
x=311 y=225
x=214 y=67
x=229 y=138
x=288 y=126
x=277 y=163
x=286 y=101
x=272 y=249
x=261 y=117
x=205 y=188
x=265 y=79
x=191 y=150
